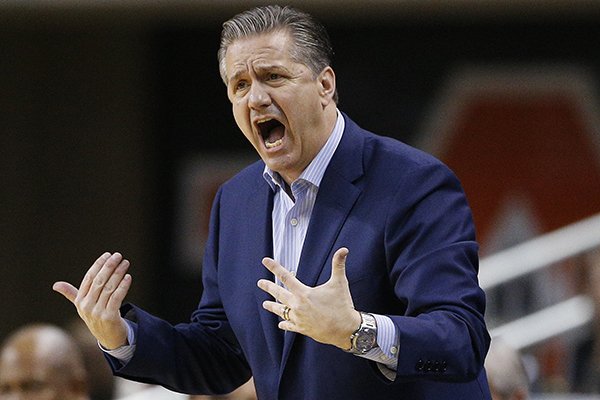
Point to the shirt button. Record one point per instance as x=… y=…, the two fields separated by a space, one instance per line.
x=294 y=221
x=393 y=350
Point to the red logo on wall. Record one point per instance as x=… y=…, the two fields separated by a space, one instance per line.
x=525 y=143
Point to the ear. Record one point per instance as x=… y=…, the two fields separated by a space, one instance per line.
x=326 y=82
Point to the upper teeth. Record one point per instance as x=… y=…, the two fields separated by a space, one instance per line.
x=260 y=121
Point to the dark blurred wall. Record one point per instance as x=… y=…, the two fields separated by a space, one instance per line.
x=77 y=162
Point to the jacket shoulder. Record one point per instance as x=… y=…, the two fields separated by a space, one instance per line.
x=396 y=156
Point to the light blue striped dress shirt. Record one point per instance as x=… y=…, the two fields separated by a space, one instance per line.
x=290 y=223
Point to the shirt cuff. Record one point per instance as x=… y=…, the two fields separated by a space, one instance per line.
x=388 y=346
x=124 y=353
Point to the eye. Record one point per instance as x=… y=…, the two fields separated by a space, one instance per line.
x=273 y=76
x=240 y=85
x=34 y=386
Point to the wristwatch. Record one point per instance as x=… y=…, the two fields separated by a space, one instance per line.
x=365 y=337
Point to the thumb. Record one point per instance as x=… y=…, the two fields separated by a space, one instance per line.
x=338 y=264
x=66 y=289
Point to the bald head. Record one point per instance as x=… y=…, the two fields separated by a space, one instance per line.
x=41 y=362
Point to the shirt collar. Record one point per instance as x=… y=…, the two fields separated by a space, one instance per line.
x=316 y=168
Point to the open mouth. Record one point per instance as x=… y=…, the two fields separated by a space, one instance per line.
x=271 y=131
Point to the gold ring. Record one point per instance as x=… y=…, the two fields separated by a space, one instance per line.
x=286 y=313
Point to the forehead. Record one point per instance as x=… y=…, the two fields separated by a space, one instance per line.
x=24 y=362
x=255 y=50
x=15 y=371
x=14 y=362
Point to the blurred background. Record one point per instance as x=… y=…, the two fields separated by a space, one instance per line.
x=115 y=131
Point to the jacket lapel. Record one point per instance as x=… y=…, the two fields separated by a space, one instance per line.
x=260 y=234
x=335 y=199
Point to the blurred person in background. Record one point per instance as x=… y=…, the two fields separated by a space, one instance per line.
x=506 y=373
x=42 y=362
x=586 y=362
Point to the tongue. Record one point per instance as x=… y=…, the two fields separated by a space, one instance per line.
x=275 y=134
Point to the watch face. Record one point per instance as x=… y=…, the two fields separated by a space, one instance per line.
x=365 y=340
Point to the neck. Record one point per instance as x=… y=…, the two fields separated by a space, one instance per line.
x=329 y=120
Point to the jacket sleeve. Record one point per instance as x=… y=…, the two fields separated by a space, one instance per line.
x=432 y=258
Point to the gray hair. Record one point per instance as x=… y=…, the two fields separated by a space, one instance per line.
x=312 y=46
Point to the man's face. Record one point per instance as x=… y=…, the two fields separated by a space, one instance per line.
x=279 y=105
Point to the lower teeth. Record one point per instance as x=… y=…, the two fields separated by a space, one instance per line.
x=274 y=144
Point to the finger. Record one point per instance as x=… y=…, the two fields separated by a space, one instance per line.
x=101 y=279
x=86 y=283
x=113 y=283
x=338 y=264
x=66 y=289
x=280 y=294
x=275 y=308
x=288 y=326
x=285 y=276
x=115 y=301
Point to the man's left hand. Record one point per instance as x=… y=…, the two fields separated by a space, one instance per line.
x=325 y=313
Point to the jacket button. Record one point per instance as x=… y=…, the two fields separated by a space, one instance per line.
x=444 y=366
x=436 y=366
x=419 y=365
x=428 y=366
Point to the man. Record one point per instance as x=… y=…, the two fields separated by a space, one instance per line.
x=41 y=362
x=362 y=247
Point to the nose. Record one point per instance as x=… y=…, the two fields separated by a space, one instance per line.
x=259 y=96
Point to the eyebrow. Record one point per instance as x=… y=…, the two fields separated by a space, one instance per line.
x=235 y=76
x=260 y=69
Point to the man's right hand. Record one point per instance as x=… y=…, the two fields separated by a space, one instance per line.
x=99 y=298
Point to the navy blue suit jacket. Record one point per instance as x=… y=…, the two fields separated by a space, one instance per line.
x=413 y=257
